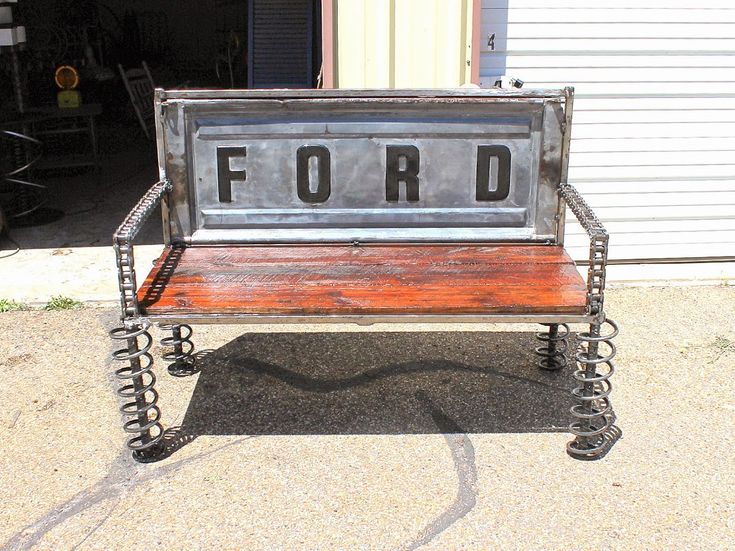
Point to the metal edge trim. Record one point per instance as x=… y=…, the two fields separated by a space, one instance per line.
x=368 y=319
x=486 y=93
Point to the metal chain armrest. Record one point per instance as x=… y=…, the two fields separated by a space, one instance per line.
x=123 y=244
x=598 y=246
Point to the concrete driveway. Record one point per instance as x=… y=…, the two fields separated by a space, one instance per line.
x=306 y=437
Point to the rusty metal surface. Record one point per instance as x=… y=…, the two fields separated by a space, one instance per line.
x=331 y=166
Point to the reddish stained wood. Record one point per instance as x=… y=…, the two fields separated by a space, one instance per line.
x=369 y=279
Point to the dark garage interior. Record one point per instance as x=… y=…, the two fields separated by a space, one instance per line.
x=91 y=158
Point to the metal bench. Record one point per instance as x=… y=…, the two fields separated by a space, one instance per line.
x=364 y=206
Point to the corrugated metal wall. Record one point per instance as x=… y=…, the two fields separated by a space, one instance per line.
x=402 y=43
x=653 y=145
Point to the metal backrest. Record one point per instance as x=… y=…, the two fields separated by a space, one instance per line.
x=346 y=165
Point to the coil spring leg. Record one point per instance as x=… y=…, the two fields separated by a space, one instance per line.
x=553 y=353
x=182 y=354
x=138 y=381
x=593 y=427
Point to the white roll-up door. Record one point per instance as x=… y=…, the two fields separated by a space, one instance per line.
x=653 y=144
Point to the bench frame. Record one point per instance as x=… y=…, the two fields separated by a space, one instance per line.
x=593 y=425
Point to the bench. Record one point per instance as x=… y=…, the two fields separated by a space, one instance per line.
x=361 y=207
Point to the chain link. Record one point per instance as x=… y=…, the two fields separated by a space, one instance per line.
x=123 y=245
x=598 y=246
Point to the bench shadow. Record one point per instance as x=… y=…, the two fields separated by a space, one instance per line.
x=375 y=383
x=171 y=259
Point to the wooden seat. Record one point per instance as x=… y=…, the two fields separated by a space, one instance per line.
x=366 y=279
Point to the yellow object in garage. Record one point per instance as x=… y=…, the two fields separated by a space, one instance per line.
x=67 y=78
x=69 y=99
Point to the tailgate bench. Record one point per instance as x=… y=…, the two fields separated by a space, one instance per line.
x=364 y=207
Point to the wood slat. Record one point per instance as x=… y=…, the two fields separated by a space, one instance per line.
x=369 y=279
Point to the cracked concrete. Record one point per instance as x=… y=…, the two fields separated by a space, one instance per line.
x=341 y=437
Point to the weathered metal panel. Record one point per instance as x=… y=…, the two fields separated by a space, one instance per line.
x=337 y=166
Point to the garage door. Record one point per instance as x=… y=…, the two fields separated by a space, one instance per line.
x=653 y=144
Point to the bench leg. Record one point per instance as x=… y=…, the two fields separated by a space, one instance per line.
x=553 y=352
x=182 y=355
x=593 y=426
x=137 y=390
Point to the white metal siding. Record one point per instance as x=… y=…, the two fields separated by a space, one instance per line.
x=653 y=143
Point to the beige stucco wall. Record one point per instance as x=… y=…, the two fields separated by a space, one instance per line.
x=402 y=43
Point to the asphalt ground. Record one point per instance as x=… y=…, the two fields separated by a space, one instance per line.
x=382 y=437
